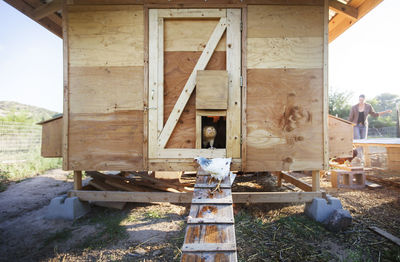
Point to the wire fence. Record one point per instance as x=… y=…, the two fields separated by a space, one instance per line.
x=390 y=131
x=18 y=141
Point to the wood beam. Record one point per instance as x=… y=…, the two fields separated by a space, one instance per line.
x=344 y=9
x=296 y=182
x=27 y=10
x=47 y=9
x=56 y=18
x=340 y=23
x=196 y=3
x=149 y=197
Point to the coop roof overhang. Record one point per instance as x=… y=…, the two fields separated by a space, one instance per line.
x=342 y=14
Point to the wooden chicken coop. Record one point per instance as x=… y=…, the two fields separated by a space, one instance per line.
x=143 y=77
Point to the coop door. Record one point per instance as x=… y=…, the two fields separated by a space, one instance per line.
x=194 y=83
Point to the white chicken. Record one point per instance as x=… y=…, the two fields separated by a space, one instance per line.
x=219 y=168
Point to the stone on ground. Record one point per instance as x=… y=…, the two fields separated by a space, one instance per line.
x=340 y=219
x=320 y=208
x=68 y=208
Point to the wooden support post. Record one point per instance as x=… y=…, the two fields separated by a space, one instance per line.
x=315 y=181
x=279 y=183
x=278 y=175
x=367 y=160
x=77 y=180
x=398 y=120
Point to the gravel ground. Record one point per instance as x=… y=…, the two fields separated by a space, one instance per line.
x=141 y=232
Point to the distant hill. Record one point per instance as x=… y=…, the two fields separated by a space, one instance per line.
x=14 y=111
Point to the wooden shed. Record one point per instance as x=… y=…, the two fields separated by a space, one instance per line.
x=142 y=78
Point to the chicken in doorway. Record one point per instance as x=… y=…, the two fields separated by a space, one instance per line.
x=209 y=134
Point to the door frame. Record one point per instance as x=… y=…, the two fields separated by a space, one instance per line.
x=158 y=134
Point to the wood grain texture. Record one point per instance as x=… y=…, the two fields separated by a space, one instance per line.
x=191 y=83
x=178 y=67
x=325 y=92
x=393 y=158
x=192 y=13
x=285 y=83
x=210 y=225
x=209 y=256
x=284 y=117
x=146 y=89
x=244 y=87
x=179 y=38
x=210 y=214
x=108 y=35
x=77 y=180
x=233 y=62
x=106 y=141
x=238 y=197
x=340 y=138
x=279 y=21
x=53 y=22
x=340 y=23
x=212 y=89
x=65 y=131
x=183 y=165
x=208 y=234
x=153 y=86
x=288 y=52
x=106 y=89
x=52 y=136
x=196 y=3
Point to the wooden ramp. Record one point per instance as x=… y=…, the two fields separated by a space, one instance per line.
x=210 y=232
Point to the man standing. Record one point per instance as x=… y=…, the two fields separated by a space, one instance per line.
x=359 y=116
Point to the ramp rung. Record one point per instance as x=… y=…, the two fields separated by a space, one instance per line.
x=210 y=221
x=203 y=182
x=205 y=196
x=209 y=256
x=209 y=247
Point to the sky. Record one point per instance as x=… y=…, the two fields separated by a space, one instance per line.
x=363 y=60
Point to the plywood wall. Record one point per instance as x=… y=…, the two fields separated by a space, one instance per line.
x=105 y=87
x=285 y=82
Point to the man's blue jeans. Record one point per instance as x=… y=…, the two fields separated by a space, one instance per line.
x=360 y=131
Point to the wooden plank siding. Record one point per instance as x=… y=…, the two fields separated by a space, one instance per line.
x=340 y=137
x=285 y=92
x=106 y=76
x=52 y=138
x=106 y=141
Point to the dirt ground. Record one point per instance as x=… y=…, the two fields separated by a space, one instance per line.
x=139 y=232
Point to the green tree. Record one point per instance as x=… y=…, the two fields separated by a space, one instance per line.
x=339 y=103
x=380 y=103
